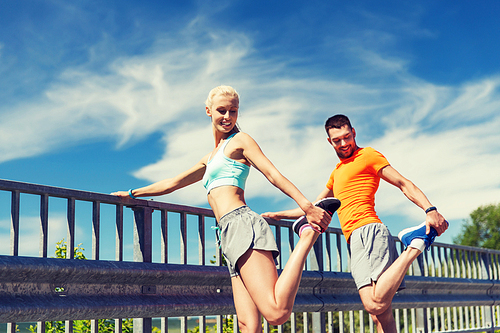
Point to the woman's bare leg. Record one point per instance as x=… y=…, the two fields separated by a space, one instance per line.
x=273 y=296
x=249 y=318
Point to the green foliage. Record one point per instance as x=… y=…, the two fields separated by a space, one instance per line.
x=482 y=228
x=83 y=326
x=227 y=326
x=224 y=262
x=195 y=330
x=61 y=250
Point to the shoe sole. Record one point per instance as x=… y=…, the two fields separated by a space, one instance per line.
x=330 y=205
x=403 y=232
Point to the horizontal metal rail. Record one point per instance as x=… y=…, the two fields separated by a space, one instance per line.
x=58 y=192
x=46 y=289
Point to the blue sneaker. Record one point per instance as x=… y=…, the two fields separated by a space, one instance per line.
x=328 y=204
x=409 y=234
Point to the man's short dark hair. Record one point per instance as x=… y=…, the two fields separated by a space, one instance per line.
x=337 y=121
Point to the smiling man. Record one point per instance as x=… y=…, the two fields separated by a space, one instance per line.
x=375 y=265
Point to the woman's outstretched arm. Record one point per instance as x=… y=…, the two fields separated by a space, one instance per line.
x=169 y=185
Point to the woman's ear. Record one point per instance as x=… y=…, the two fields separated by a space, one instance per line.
x=208 y=111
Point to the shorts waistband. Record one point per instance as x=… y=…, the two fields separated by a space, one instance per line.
x=235 y=212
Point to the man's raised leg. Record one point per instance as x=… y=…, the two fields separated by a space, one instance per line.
x=385 y=322
x=377 y=297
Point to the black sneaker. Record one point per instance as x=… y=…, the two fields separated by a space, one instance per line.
x=330 y=205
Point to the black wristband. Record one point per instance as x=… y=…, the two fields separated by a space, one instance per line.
x=430 y=209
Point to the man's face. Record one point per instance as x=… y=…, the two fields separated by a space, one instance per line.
x=343 y=141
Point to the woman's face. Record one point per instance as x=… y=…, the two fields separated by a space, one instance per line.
x=224 y=112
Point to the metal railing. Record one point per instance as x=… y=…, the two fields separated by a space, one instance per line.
x=449 y=288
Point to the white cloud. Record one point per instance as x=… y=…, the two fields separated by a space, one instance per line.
x=456 y=167
x=444 y=138
x=139 y=96
x=449 y=146
x=475 y=102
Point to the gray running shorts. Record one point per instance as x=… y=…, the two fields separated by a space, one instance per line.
x=372 y=250
x=243 y=229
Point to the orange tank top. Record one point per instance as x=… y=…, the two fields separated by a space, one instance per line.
x=354 y=181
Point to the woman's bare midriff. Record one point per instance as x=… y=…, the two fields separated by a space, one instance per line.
x=225 y=199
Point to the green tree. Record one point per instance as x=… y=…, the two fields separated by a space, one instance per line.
x=482 y=228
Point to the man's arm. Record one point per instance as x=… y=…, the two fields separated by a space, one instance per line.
x=297 y=212
x=411 y=191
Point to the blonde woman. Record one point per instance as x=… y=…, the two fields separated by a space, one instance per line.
x=246 y=239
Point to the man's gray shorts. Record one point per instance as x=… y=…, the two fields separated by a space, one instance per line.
x=243 y=229
x=372 y=250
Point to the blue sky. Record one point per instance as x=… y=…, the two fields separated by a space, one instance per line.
x=109 y=95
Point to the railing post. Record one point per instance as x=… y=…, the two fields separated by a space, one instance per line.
x=96 y=229
x=316 y=257
x=96 y=232
x=11 y=328
x=70 y=241
x=70 y=247
x=143 y=234
x=14 y=238
x=119 y=233
x=143 y=220
x=488 y=311
x=44 y=236
x=14 y=224
x=183 y=238
x=421 y=313
x=183 y=252
x=164 y=259
x=44 y=225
